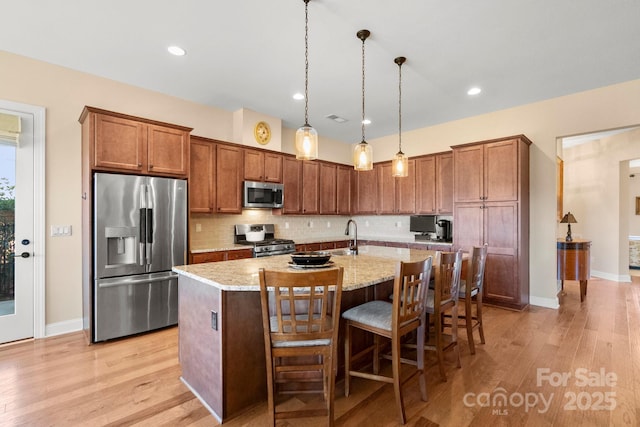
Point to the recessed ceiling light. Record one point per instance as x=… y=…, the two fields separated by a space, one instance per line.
x=474 y=91
x=298 y=96
x=176 y=50
x=366 y=122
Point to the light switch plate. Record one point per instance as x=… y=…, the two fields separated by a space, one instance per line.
x=61 y=230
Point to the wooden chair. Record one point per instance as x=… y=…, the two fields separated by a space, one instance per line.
x=470 y=292
x=444 y=299
x=393 y=321
x=300 y=324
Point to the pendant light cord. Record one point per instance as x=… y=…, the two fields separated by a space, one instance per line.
x=400 y=108
x=306 y=62
x=363 y=140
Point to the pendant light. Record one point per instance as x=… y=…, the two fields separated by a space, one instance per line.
x=306 y=136
x=363 y=154
x=400 y=164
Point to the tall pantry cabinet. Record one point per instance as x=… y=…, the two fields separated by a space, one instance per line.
x=491 y=206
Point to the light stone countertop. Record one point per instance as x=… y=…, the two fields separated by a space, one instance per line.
x=373 y=264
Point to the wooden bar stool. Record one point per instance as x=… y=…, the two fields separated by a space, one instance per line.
x=393 y=321
x=300 y=335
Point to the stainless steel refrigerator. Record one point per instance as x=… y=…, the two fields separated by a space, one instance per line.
x=139 y=234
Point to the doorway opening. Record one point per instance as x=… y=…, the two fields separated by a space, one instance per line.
x=596 y=189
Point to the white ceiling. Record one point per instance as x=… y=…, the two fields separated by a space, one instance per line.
x=250 y=53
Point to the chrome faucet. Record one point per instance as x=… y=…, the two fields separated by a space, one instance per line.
x=353 y=244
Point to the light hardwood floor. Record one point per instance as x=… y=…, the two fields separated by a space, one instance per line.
x=60 y=381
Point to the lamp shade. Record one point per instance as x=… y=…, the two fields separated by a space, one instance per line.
x=306 y=143
x=568 y=218
x=400 y=165
x=363 y=157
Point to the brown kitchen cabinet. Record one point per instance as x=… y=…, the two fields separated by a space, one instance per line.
x=366 y=186
x=328 y=188
x=396 y=195
x=434 y=184
x=217 y=256
x=229 y=173
x=262 y=166
x=310 y=187
x=444 y=183
x=292 y=180
x=118 y=142
x=202 y=178
x=502 y=225
x=239 y=254
x=344 y=189
x=214 y=256
x=487 y=171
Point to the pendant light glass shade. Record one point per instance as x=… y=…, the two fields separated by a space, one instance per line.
x=363 y=153
x=306 y=136
x=400 y=163
x=306 y=143
x=363 y=157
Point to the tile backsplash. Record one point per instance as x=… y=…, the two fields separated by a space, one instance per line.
x=215 y=231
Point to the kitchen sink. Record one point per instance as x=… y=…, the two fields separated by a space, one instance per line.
x=341 y=252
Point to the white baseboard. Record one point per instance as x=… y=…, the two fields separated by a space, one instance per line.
x=65 y=327
x=544 y=302
x=623 y=278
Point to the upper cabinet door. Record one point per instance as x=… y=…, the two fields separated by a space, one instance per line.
x=426 y=185
x=344 y=189
x=328 y=188
x=444 y=183
x=202 y=176
x=468 y=180
x=253 y=165
x=386 y=188
x=273 y=167
x=406 y=191
x=310 y=180
x=120 y=143
x=292 y=180
x=501 y=170
x=366 y=192
x=229 y=179
x=167 y=151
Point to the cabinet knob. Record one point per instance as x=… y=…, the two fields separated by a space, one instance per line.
x=139 y=165
x=150 y=166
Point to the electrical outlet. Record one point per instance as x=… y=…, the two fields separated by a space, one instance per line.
x=198 y=228
x=286 y=225
x=328 y=224
x=310 y=224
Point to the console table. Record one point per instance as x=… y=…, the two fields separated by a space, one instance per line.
x=574 y=262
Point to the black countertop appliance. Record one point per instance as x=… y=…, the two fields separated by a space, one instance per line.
x=443 y=230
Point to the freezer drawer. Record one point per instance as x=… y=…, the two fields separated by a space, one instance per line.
x=132 y=304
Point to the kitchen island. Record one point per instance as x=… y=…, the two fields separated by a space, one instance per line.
x=221 y=344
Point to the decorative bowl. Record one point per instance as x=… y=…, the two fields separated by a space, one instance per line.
x=310 y=258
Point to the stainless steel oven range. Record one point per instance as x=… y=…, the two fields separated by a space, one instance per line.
x=261 y=237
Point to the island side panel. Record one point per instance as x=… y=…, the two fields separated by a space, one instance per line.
x=200 y=346
x=245 y=378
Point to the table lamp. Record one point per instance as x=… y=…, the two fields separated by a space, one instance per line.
x=568 y=219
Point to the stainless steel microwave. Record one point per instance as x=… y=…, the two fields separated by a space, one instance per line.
x=263 y=195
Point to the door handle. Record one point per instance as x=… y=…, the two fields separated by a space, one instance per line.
x=22 y=255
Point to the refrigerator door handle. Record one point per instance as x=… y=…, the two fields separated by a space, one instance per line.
x=149 y=238
x=134 y=280
x=142 y=236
